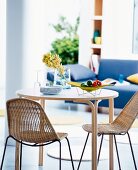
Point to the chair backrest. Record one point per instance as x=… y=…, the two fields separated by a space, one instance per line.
x=28 y=122
x=129 y=113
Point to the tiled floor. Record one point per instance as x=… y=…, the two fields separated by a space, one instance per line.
x=76 y=137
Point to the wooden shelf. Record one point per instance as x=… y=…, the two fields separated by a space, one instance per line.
x=96 y=46
x=98 y=7
x=96 y=51
x=97 y=20
x=97 y=17
x=108 y=23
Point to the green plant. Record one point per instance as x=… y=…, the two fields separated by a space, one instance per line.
x=67 y=46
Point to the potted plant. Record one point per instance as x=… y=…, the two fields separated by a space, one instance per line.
x=67 y=46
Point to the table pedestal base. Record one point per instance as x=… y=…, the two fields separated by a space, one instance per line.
x=76 y=153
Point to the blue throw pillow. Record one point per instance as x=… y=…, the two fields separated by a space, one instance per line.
x=80 y=73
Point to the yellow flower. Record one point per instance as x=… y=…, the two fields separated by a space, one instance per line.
x=53 y=61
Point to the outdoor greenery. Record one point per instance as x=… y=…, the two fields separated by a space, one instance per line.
x=67 y=46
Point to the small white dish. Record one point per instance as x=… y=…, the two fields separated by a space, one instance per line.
x=51 y=89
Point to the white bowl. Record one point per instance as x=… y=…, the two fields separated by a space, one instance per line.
x=51 y=89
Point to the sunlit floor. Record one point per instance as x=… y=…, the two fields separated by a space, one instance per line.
x=76 y=137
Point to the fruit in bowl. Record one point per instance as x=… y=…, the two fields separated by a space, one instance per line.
x=90 y=85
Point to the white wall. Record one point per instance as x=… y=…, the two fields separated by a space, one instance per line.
x=85 y=32
x=117 y=28
x=135 y=40
x=38 y=34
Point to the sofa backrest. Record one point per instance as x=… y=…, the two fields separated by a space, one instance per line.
x=111 y=68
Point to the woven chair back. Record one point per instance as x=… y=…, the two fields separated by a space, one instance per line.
x=129 y=113
x=28 y=122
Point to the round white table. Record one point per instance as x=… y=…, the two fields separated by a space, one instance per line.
x=73 y=95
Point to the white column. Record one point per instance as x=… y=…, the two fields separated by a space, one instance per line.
x=14 y=48
x=2 y=51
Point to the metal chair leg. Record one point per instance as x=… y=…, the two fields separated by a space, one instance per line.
x=100 y=148
x=70 y=153
x=117 y=153
x=59 y=155
x=132 y=151
x=21 y=155
x=4 y=152
x=83 y=151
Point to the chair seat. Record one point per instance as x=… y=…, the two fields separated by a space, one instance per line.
x=40 y=137
x=106 y=129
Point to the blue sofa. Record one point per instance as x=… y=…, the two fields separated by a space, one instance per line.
x=112 y=69
x=109 y=68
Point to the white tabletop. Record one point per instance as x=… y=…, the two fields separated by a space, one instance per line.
x=67 y=94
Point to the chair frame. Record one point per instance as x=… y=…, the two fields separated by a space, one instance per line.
x=35 y=144
x=101 y=142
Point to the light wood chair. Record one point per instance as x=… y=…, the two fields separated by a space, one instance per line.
x=28 y=124
x=120 y=126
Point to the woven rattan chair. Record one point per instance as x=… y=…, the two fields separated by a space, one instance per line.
x=29 y=125
x=120 y=126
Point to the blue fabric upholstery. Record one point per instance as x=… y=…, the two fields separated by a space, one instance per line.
x=125 y=93
x=80 y=73
x=112 y=68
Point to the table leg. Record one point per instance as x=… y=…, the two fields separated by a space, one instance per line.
x=94 y=108
x=41 y=155
x=111 y=151
x=41 y=148
x=17 y=155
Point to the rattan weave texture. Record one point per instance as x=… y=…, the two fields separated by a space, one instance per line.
x=28 y=122
x=123 y=121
